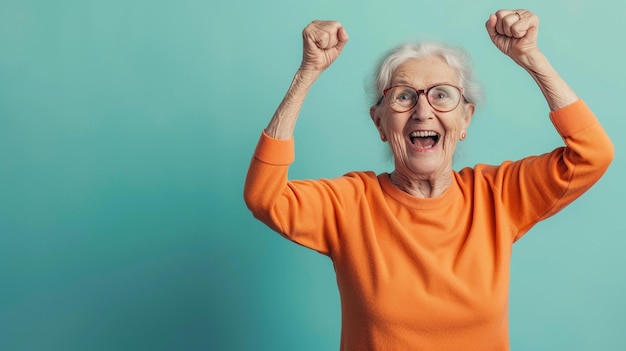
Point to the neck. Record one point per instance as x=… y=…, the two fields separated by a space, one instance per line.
x=421 y=187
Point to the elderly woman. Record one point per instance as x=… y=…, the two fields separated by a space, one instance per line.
x=422 y=253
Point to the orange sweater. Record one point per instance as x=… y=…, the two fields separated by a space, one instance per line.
x=426 y=274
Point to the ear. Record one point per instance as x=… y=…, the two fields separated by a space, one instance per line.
x=377 y=122
x=468 y=114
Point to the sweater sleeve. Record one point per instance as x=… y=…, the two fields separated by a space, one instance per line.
x=537 y=187
x=308 y=212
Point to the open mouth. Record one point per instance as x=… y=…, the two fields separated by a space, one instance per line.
x=424 y=139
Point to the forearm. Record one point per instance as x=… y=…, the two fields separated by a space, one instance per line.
x=283 y=123
x=556 y=91
x=514 y=32
x=322 y=44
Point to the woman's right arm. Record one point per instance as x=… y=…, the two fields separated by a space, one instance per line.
x=322 y=44
x=307 y=212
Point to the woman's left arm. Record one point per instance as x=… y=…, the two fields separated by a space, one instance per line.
x=539 y=186
x=514 y=32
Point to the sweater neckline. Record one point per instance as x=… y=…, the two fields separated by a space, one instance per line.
x=448 y=196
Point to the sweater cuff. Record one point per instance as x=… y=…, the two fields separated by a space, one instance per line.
x=274 y=151
x=573 y=118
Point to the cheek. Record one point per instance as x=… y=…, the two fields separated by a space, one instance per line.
x=396 y=142
x=392 y=124
x=449 y=142
x=453 y=133
x=454 y=126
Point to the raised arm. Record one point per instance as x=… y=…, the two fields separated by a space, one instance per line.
x=537 y=187
x=310 y=213
x=322 y=44
x=514 y=32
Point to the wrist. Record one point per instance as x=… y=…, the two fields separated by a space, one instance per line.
x=306 y=76
x=534 y=61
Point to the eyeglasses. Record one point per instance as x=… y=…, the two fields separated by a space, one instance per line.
x=441 y=97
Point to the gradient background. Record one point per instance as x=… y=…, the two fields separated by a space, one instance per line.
x=126 y=128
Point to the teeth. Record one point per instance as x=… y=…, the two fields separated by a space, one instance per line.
x=423 y=134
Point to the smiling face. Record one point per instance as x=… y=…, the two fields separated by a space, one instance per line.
x=422 y=140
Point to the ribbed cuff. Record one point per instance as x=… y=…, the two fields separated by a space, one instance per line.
x=573 y=118
x=275 y=151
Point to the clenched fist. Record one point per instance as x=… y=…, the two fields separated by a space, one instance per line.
x=322 y=44
x=514 y=32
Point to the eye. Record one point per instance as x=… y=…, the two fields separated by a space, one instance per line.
x=440 y=93
x=405 y=96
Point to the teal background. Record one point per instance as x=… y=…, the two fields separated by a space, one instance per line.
x=126 y=128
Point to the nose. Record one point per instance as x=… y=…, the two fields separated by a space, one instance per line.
x=422 y=109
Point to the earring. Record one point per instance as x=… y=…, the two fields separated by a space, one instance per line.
x=463 y=136
x=383 y=138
